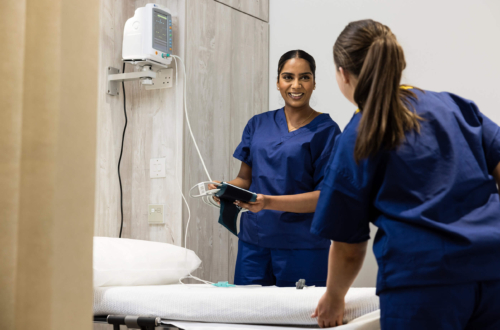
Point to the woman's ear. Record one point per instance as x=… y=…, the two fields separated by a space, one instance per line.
x=278 y=85
x=344 y=75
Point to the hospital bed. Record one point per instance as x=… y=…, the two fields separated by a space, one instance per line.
x=204 y=307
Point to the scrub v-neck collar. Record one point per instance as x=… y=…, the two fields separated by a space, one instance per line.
x=285 y=134
x=284 y=125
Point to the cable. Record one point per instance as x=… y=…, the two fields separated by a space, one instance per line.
x=177 y=177
x=186 y=112
x=176 y=155
x=194 y=140
x=121 y=153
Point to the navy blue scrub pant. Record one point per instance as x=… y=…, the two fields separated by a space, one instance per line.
x=464 y=306
x=280 y=267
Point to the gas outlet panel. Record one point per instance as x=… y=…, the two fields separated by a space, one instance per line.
x=156 y=214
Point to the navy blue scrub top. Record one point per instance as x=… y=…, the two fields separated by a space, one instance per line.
x=433 y=199
x=284 y=163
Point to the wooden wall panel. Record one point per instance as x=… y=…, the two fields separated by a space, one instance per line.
x=250 y=88
x=255 y=8
x=226 y=61
x=110 y=121
x=207 y=50
x=227 y=55
x=154 y=131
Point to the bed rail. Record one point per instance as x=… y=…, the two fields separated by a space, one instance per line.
x=134 y=322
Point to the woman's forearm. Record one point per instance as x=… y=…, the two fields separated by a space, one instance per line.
x=344 y=263
x=244 y=178
x=300 y=203
x=240 y=182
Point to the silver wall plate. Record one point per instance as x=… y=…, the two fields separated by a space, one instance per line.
x=112 y=85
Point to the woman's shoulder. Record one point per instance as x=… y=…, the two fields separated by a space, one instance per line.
x=264 y=116
x=324 y=123
x=350 y=132
x=327 y=121
x=424 y=98
x=441 y=105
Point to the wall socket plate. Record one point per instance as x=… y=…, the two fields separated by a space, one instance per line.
x=157 y=168
x=156 y=214
x=163 y=80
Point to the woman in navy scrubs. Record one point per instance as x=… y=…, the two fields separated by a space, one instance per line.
x=423 y=167
x=284 y=154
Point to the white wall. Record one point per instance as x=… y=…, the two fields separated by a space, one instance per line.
x=449 y=46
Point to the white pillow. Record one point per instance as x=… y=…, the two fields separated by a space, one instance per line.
x=126 y=262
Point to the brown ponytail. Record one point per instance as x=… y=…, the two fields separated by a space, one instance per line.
x=370 y=51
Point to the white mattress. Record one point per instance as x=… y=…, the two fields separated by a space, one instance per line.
x=370 y=321
x=241 y=304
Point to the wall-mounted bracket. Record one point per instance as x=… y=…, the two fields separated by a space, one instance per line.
x=153 y=75
x=114 y=77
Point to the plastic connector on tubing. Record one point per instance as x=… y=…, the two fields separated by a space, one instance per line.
x=201 y=188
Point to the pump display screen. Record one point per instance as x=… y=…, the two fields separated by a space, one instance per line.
x=162 y=31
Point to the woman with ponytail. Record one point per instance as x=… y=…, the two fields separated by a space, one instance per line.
x=423 y=167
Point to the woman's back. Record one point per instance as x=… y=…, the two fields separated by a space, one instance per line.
x=441 y=202
x=443 y=171
x=420 y=166
x=433 y=200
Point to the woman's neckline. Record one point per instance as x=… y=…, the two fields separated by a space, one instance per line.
x=297 y=129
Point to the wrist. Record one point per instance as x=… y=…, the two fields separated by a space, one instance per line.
x=334 y=294
x=267 y=201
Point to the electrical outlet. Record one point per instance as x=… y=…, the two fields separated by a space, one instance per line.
x=163 y=80
x=155 y=214
x=157 y=168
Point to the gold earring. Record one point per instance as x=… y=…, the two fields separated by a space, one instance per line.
x=278 y=88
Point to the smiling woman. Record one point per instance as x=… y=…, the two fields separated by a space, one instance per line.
x=296 y=82
x=284 y=155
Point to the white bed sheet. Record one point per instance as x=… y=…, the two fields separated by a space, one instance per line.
x=235 y=305
x=370 y=321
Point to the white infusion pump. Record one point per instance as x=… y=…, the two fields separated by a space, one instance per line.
x=148 y=35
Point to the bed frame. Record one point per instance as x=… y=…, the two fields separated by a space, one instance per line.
x=134 y=322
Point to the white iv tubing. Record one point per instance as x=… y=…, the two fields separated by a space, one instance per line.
x=176 y=177
x=185 y=110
